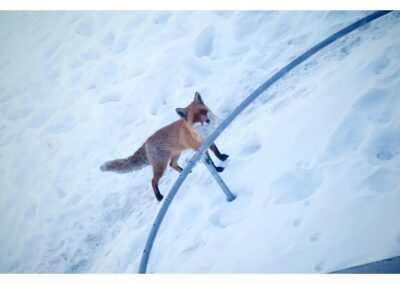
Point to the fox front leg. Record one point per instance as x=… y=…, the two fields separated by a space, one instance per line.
x=217 y=153
x=219 y=169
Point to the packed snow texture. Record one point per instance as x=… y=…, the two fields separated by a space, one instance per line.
x=315 y=161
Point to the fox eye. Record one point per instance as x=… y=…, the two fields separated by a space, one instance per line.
x=203 y=112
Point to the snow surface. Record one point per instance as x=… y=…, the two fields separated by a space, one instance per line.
x=315 y=161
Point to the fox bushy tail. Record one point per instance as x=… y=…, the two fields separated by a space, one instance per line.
x=135 y=162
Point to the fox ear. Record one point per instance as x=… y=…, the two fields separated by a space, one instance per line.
x=181 y=111
x=198 y=99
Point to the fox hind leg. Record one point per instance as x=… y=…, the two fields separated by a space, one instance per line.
x=174 y=163
x=158 y=171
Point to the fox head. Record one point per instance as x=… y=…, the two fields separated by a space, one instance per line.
x=196 y=112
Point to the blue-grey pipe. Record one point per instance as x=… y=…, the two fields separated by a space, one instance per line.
x=229 y=195
x=206 y=144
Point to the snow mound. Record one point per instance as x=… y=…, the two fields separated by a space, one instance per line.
x=316 y=166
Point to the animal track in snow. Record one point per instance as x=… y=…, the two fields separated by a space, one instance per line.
x=204 y=42
x=195 y=66
x=61 y=125
x=39 y=118
x=222 y=220
x=233 y=213
x=315 y=237
x=189 y=216
x=107 y=73
x=244 y=26
x=93 y=240
x=251 y=148
x=111 y=98
x=384 y=147
x=189 y=249
x=121 y=45
x=375 y=106
x=91 y=54
x=320 y=266
x=84 y=29
x=108 y=39
x=137 y=20
x=296 y=186
x=60 y=192
x=296 y=222
x=17 y=113
x=51 y=49
x=347 y=137
x=380 y=64
x=162 y=17
x=80 y=266
x=382 y=180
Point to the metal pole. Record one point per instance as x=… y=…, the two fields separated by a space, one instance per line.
x=257 y=92
x=209 y=164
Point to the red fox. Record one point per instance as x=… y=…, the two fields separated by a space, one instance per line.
x=167 y=144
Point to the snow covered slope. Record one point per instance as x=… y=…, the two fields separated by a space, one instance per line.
x=316 y=168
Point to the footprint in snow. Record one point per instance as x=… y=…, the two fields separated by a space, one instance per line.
x=120 y=44
x=204 y=42
x=296 y=222
x=296 y=186
x=51 y=49
x=162 y=17
x=39 y=118
x=80 y=266
x=136 y=21
x=91 y=54
x=111 y=98
x=189 y=249
x=17 y=112
x=384 y=147
x=247 y=24
x=252 y=147
x=189 y=215
x=84 y=28
x=383 y=180
x=60 y=192
x=379 y=66
x=61 y=125
x=376 y=105
x=319 y=267
x=234 y=213
x=315 y=237
x=107 y=73
x=108 y=39
x=348 y=137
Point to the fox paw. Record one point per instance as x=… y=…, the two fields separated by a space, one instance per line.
x=223 y=157
x=219 y=169
x=159 y=197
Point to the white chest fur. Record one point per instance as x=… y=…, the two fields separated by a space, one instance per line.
x=203 y=131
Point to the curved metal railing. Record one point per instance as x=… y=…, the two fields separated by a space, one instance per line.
x=206 y=144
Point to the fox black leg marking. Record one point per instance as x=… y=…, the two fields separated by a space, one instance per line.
x=219 y=169
x=217 y=153
x=158 y=171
